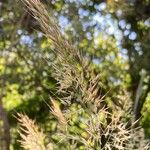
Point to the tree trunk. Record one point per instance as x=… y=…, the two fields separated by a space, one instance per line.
x=5 y=135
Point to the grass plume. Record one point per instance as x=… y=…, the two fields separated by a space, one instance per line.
x=92 y=124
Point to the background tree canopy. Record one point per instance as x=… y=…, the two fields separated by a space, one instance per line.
x=113 y=36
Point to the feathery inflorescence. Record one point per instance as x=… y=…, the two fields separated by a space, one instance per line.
x=31 y=137
x=97 y=125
